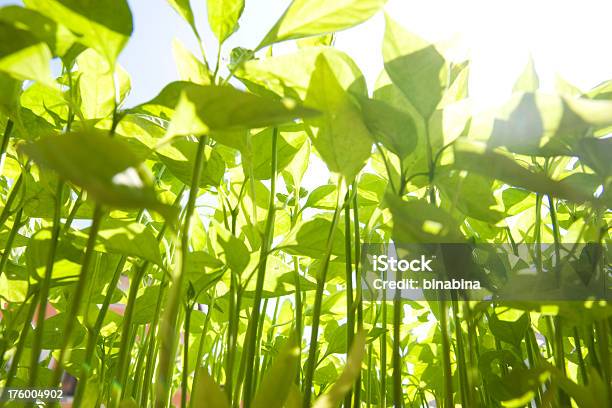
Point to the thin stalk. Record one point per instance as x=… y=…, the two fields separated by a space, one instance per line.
x=46 y=283
x=460 y=350
x=270 y=339
x=8 y=129
x=256 y=368
x=601 y=331
x=581 y=363
x=383 y=348
x=10 y=239
x=27 y=326
x=185 y=378
x=359 y=297
x=448 y=380
x=396 y=357
x=234 y=316
x=78 y=292
x=94 y=332
x=350 y=312
x=153 y=345
x=266 y=242
x=171 y=313
x=126 y=333
x=201 y=346
x=6 y=211
x=316 y=314
x=142 y=353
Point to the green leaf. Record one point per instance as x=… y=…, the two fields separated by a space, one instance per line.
x=417 y=221
x=189 y=67
x=339 y=135
x=53 y=332
x=162 y=106
x=476 y=158
x=528 y=81
x=345 y=382
x=10 y=89
x=223 y=17
x=180 y=156
x=596 y=154
x=472 y=193
x=291 y=139
x=290 y=75
x=305 y=18
x=206 y=392
x=540 y=124
x=104 y=25
x=97 y=82
x=204 y=109
x=276 y=384
x=61 y=41
x=47 y=103
x=306 y=239
x=391 y=127
x=144 y=307
x=183 y=8
x=511 y=332
x=126 y=238
x=23 y=56
x=104 y=166
x=415 y=67
x=236 y=253
x=66 y=263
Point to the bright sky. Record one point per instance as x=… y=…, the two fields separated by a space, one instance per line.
x=564 y=37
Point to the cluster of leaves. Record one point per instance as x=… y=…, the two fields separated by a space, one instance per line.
x=168 y=253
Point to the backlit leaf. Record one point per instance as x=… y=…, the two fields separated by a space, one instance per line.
x=305 y=18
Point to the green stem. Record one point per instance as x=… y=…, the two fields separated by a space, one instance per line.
x=350 y=312
x=358 y=280
x=77 y=294
x=153 y=346
x=126 y=333
x=7 y=136
x=581 y=363
x=184 y=387
x=396 y=357
x=6 y=211
x=201 y=346
x=10 y=239
x=252 y=334
x=27 y=326
x=44 y=289
x=321 y=279
x=170 y=319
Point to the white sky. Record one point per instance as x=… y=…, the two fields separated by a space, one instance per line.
x=571 y=38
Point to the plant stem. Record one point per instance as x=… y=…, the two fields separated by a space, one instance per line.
x=77 y=294
x=396 y=357
x=266 y=242
x=10 y=239
x=185 y=368
x=321 y=279
x=170 y=318
x=124 y=349
x=153 y=345
x=358 y=280
x=46 y=283
x=8 y=129
x=27 y=326
x=350 y=312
